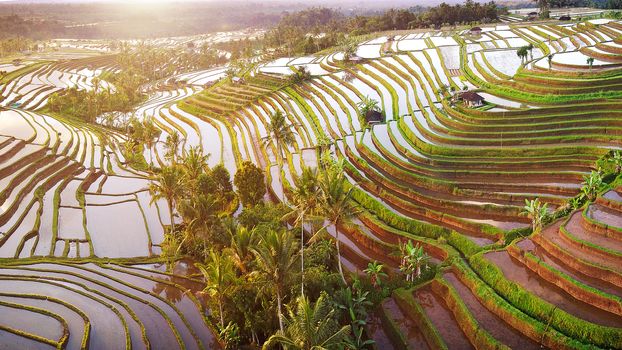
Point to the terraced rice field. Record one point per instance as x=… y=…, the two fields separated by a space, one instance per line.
x=451 y=178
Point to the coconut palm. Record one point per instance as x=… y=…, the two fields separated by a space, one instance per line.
x=171 y=146
x=590 y=62
x=311 y=327
x=375 y=273
x=323 y=143
x=199 y=213
x=366 y=105
x=349 y=50
x=219 y=276
x=277 y=260
x=150 y=134
x=305 y=198
x=522 y=54
x=336 y=203
x=194 y=163
x=242 y=242
x=536 y=211
x=282 y=133
x=167 y=185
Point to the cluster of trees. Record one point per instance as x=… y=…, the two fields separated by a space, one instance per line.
x=546 y=5
x=301 y=74
x=104 y=20
x=469 y=12
x=139 y=65
x=112 y=103
x=612 y=4
x=151 y=62
x=15 y=45
x=315 y=29
x=308 y=31
x=253 y=263
x=273 y=271
x=524 y=52
x=242 y=48
x=14 y=26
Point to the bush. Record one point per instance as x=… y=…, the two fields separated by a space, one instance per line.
x=250 y=181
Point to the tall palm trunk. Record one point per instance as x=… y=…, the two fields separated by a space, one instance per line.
x=343 y=278
x=150 y=156
x=279 y=311
x=181 y=244
x=302 y=255
x=169 y=202
x=279 y=160
x=222 y=317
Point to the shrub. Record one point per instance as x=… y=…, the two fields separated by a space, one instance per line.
x=249 y=180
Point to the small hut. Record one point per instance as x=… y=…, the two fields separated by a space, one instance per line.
x=476 y=31
x=472 y=99
x=374 y=117
x=356 y=59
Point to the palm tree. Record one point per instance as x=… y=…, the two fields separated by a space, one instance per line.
x=336 y=203
x=522 y=53
x=590 y=62
x=374 y=271
x=242 y=242
x=199 y=213
x=281 y=132
x=96 y=84
x=150 y=134
x=167 y=185
x=194 y=163
x=277 y=258
x=171 y=145
x=323 y=143
x=283 y=135
x=349 y=50
x=305 y=199
x=219 y=275
x=536 y=211
x=366 y=105
x=311 y=327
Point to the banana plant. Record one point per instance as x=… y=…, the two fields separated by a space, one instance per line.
x=375 y=273
x=537 y=212
x=591 y=185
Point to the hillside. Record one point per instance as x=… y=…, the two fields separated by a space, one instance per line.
x=470 y=131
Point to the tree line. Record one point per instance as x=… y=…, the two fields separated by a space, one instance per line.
x=318 y=28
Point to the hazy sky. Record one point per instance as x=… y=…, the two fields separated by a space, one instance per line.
x=331 y=3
